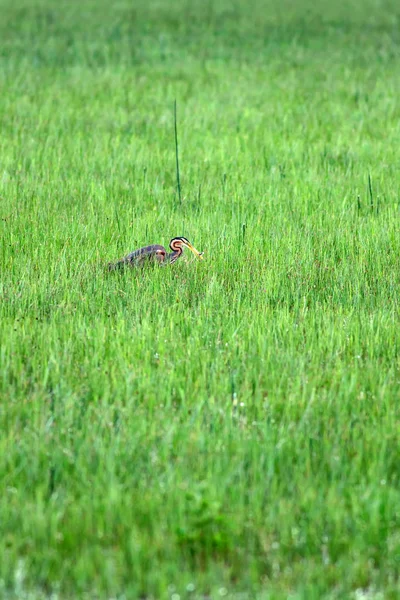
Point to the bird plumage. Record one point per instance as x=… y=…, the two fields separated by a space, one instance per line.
x=156 y=254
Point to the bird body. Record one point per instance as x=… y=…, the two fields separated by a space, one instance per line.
x=156 y=254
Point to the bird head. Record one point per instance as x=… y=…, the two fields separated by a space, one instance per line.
x=178 y=242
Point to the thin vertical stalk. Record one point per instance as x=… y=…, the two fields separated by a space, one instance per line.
x=178 y=179
x=371 y=197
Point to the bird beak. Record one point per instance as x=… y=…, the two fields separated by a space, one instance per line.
x=193 y=249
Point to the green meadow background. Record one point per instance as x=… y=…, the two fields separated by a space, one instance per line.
x=218 y=429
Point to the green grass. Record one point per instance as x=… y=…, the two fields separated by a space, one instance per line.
x=226 y=428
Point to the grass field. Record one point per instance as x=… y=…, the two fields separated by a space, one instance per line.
x=219 y=429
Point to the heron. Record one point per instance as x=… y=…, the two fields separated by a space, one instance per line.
x=156 y=254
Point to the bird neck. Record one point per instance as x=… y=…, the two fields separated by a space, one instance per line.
x=174 y=255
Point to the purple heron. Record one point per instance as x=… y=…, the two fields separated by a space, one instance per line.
x=156 y=254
